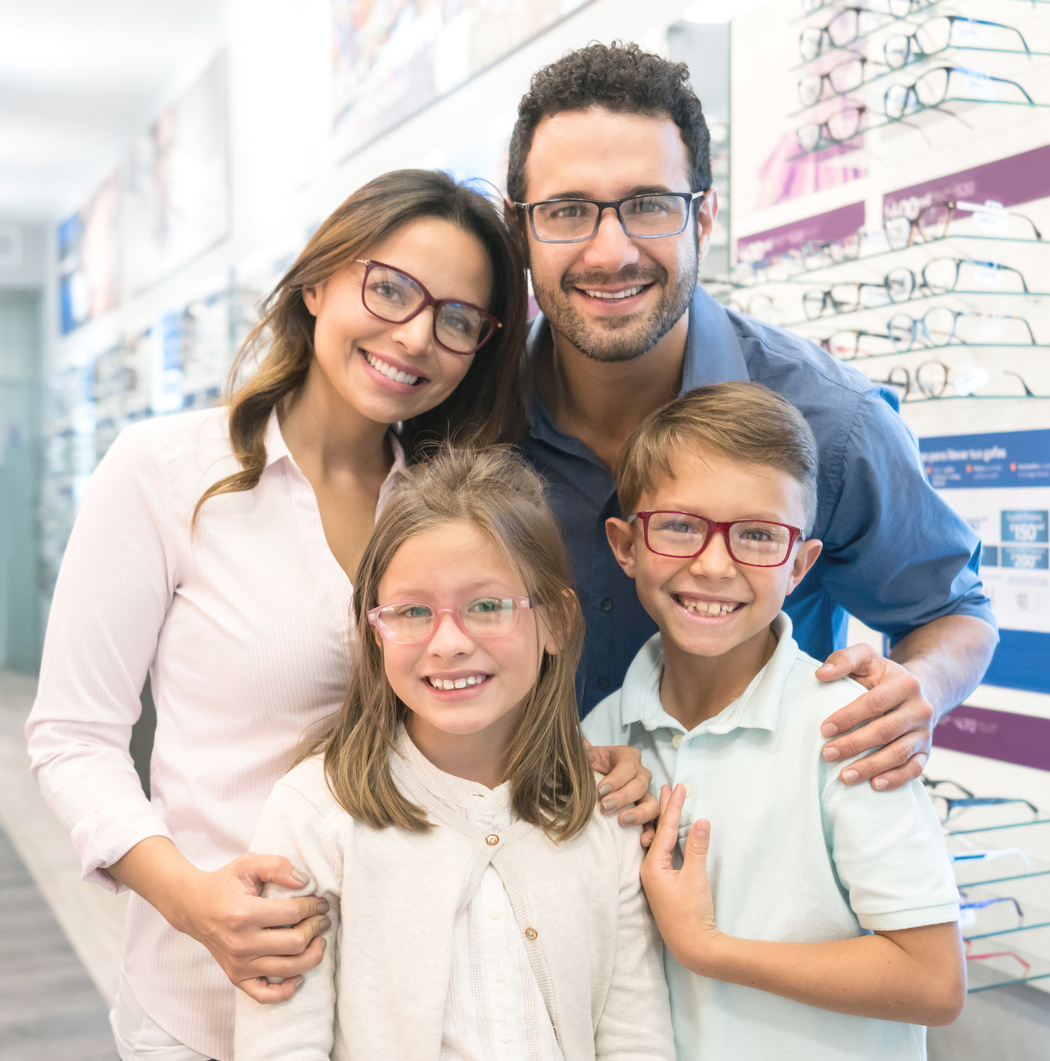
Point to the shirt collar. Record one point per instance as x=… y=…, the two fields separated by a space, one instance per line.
x=474 y=800
x=756 y=708
x=277 y=450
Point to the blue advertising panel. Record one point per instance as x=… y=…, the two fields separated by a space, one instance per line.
x=1000 y=484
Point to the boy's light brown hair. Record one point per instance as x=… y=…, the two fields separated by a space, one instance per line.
x=492 y=489
x=745 y=422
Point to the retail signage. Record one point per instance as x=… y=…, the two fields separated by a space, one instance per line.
x=1007 y=182
x=821 y=228
x=1000 y=484
x=1002 y=735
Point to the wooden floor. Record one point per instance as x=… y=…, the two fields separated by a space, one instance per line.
x=59 y=937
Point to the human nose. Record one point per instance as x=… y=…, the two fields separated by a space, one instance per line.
x=416 y=334
x=610 y=248
x=448 y=639
x=714 y=559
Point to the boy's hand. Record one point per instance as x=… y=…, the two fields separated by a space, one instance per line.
x=624 y=785
x=680 y=899
x=901 y=719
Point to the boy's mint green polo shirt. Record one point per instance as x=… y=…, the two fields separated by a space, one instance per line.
x=795 y=854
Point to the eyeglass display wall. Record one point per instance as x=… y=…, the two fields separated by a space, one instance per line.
x=891 y=191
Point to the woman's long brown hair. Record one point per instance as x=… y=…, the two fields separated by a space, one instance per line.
x=487 y=406
x=551 y=781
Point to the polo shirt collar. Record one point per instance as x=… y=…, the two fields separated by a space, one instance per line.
x=758 y=707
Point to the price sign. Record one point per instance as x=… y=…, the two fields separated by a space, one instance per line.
x=1026 y=526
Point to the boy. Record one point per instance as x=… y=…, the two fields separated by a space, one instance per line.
x=836 y=903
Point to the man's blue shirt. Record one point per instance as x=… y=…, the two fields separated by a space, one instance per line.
x=895 y=555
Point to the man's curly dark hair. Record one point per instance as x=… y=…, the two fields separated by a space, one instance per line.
x=622 y=78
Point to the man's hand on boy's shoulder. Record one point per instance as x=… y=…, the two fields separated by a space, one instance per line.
x=933 y=669
x=900 y=719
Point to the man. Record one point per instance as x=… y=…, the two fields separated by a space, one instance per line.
x=609 y=180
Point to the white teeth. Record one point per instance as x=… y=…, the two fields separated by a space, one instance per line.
x=710 y=609
x=390 y=372
x=613 y=295
x=457 y=683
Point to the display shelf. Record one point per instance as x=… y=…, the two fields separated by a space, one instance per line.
x=859 y=359
x=917 y=245
x=997 y=961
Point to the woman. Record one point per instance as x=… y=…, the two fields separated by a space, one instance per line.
x=216 y=551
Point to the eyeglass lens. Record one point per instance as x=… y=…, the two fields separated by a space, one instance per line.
x=640 y=215
x=479 y=617
x=396 y=297
x=752 y=542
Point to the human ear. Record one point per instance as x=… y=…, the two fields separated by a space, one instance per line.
x=705 y=219
x=805 y=558
x=311 y=299
x=621 y=541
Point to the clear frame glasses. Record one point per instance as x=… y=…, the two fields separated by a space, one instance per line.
x=844 y=27
x=944 y=83
x=938 y=34
x=942 y=326
x=394 y=296
x=408 y=622
x=837 y=128
x=932 y=222
x=897 y=285
x=685 y=535
x=847 y=76
x=648 y=216
x=930 y=381
x=942 y=275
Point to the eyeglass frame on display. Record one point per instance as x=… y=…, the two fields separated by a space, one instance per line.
x=916 y=322
x=951 y=205
x=912 y=90
x=980 y=801
x=953 y=19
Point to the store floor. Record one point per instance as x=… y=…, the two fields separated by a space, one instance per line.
x=59 y=937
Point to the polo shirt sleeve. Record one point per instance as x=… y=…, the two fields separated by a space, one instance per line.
x=889 y=854
x=116 y=582
x=896 y=555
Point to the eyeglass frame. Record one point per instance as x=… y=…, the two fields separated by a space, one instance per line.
x=912 y=90
x=919 y=325
x=951 y=206
x=428 y=300
x=923 y=54
x=614 y=204
x=520 y=603
x=715 y=527
x=979 y=801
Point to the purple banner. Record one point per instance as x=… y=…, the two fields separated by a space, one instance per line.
x=835 y=224
x=1009 y=181
x=1002 y=735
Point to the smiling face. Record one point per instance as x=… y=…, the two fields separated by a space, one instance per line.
x=386 y=372
x=613 y=297
x=711 y=606
x=464 y=693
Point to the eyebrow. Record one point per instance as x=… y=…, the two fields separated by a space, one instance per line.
x=641 y=189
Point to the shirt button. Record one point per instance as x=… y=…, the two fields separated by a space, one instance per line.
x=501 y=974
x=606 y=605
x=495 y=913
x=531 y=933
x=492 y=839
x=603 y=684
x=505 y=1035
x=688 y=788
x=676 y=740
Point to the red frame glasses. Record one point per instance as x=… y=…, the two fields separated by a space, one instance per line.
x=488 y=321
x=715 y=527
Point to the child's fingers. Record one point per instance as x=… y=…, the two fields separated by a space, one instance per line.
x=667 y=826
x=694 y=857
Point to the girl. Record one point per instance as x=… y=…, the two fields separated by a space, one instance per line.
x=479 y=908
x=216 y=551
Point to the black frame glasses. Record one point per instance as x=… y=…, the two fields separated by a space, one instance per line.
x=714 y=527
x=837 y=128
x=644 y=198
x=903 y=48
x=933 y=87
x=930 y=380
x=939 y=326
x=486 y=322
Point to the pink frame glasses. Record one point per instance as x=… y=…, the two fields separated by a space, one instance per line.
x=469 y=615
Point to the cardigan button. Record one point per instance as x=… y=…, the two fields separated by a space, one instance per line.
x=531 y=933
x=492 y=839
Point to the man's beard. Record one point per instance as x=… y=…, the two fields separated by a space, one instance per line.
x=618 y=338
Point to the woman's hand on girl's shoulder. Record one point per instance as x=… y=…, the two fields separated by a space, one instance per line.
x=256 y=939
x=624 y=785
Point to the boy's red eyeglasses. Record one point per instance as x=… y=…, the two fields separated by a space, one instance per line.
x=684 y=535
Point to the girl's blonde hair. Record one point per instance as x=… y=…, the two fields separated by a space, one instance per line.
x=551 y=781
x=488 y=404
